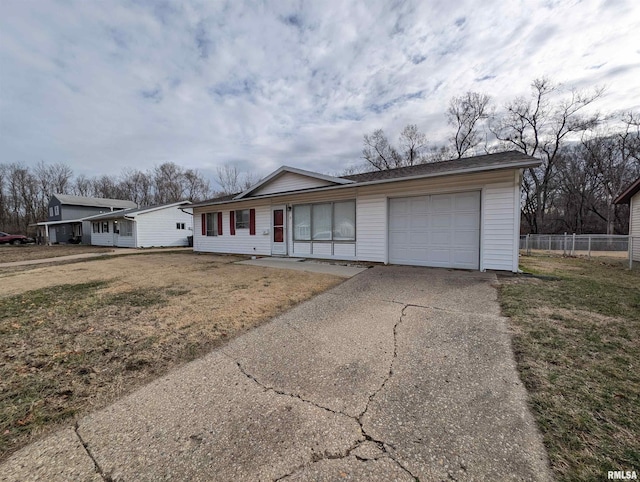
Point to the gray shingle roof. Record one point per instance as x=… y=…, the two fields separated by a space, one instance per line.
x=484 y=161
x=487 y=162
x=94 y=201
x=128 y=212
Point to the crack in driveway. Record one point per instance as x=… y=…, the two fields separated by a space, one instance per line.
x=382 y=445
x=105 y=476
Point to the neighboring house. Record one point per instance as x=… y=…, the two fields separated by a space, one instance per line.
x=166 y=225
x=460 y=214
x=65 y=222
x=631 y=196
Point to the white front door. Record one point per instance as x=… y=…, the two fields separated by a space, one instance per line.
x=279 y=230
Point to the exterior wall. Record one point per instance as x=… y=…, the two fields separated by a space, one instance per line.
x=86 y=232
x=63 y=232
x=158 y=228
x=290 y=181
x=103 y=239
x=242 y=242
x=500 y=211
x=67 y=211
x=634 y=226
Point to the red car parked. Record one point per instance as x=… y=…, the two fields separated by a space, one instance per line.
x=14 y=238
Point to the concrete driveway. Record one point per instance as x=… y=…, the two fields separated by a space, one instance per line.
x=397 y=374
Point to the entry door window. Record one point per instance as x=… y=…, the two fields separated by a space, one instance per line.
x=278 y=225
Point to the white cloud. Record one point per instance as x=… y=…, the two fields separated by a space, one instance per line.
x=107 y=85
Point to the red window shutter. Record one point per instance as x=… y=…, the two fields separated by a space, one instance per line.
x=203 y=222
x=252 y=221
x=232 y=223
x=219 y=224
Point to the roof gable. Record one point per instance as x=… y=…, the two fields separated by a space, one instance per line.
x=288 y=179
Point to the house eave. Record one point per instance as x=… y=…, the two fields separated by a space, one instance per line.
x=627 y=194
x=471 y=170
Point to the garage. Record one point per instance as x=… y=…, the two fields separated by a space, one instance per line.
x=439 y=230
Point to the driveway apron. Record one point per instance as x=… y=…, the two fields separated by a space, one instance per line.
x=399 y=373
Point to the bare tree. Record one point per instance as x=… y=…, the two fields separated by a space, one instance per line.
x=464 y=114
x=379 y=152
x=539 y=127
x=232 y=180
x=412 y=145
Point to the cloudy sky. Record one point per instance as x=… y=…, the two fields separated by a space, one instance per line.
x=112 y=84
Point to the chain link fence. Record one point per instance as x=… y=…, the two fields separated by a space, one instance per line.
x=576 y=244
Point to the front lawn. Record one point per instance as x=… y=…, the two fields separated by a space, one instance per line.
x=75 y=337
x=577 y=344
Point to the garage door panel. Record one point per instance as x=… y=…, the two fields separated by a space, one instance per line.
x=420 y=222
x=441 y=203
x=441 y=221
x=467 y=201
x=441 y=230
x=466 y=220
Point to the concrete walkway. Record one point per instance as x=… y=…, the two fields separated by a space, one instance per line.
x=301 y=264
x=72 y=257
x=397 y=374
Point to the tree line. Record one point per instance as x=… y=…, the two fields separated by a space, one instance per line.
x=25 y=191
x=587 y=157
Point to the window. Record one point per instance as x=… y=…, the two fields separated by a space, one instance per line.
x=179 y=225
x=105 y=226
x=212 y=224
x=344 y=221
x=321 y=222
x=56 y=209
x=325 y=222
x=51 y=212
x=242 y=219
x=302 y=223
x=126 y=228
x=95 y=227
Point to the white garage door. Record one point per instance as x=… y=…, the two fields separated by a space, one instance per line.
x=440 y=230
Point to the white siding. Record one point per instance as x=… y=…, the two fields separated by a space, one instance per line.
x=242 y=242
x=158 y=228
x=290 y=181
x=127 y=241
x=634 y=226
x=103 y=239
x=371 y=227
x=498 y=218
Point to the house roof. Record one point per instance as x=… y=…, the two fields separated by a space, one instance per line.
x=284 y=169
x=488 y=162
x=628 y=193
x=94 y=201
x=134 y=212
x=497 y=160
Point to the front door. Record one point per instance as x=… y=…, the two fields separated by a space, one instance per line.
x=279 y=231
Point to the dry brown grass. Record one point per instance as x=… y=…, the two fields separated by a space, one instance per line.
x=10 y=254
x=575 y=336
x=77 y=336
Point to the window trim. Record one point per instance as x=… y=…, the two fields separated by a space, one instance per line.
x=56 y=210
x=333 y=219
x=105 y=224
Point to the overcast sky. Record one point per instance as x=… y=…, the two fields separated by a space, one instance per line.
x=103 y=85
